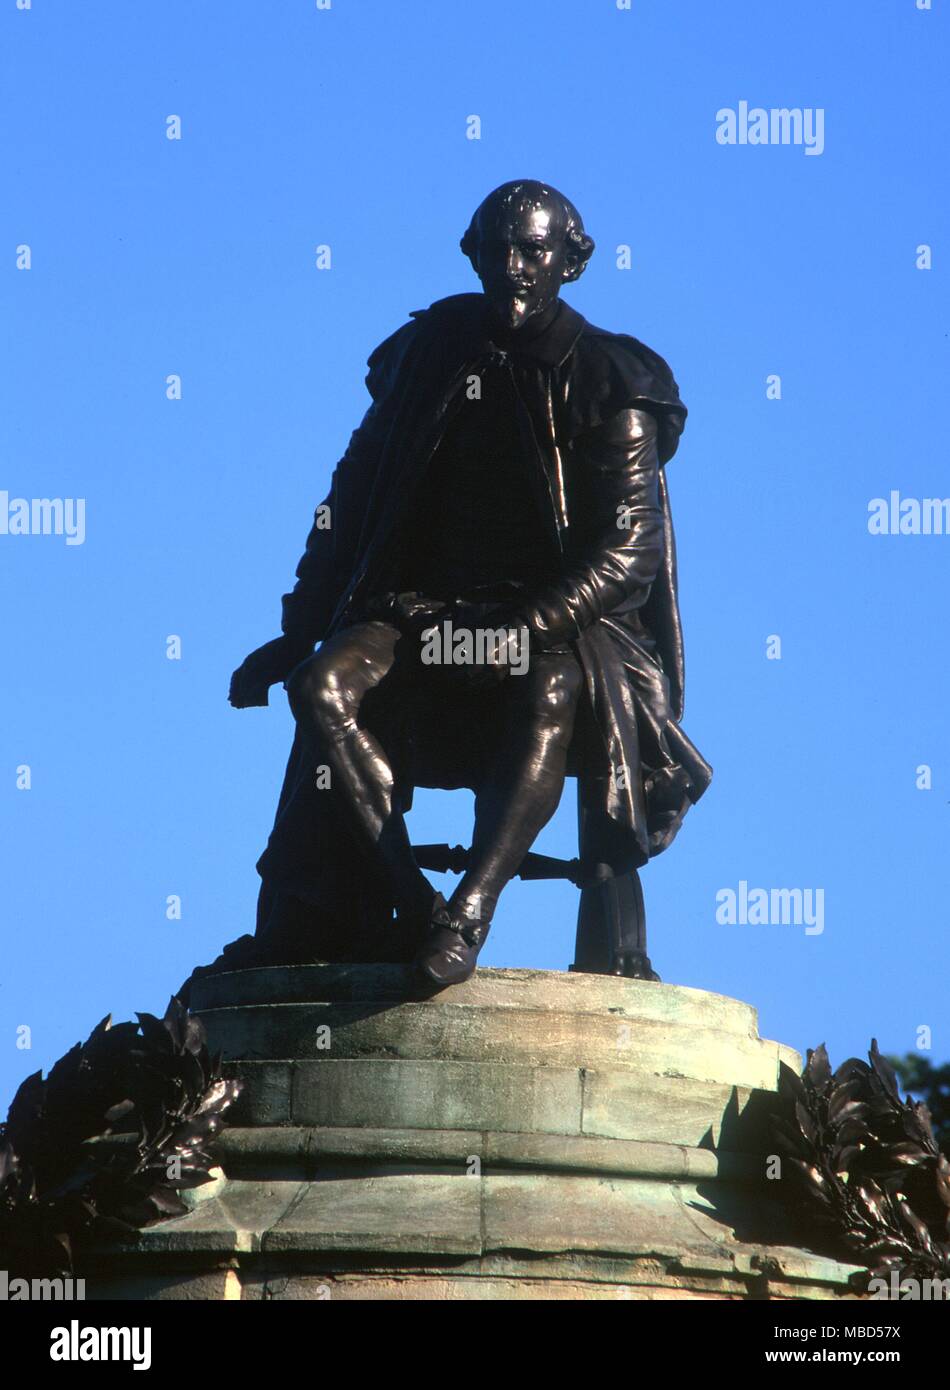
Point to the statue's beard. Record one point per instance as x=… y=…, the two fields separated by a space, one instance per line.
x=514 y=309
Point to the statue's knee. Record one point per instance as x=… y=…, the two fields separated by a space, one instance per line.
x=556 y=691
x=318 y=694
x=302 y=684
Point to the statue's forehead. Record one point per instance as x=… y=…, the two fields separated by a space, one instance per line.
x=526 y=214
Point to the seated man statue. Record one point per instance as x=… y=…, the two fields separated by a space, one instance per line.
x=492 y=582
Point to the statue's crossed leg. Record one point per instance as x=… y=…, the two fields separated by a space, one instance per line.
x=516 y=737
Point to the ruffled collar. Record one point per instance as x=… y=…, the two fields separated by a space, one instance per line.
x=468 y=319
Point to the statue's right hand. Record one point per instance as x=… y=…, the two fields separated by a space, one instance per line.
x=263 y=668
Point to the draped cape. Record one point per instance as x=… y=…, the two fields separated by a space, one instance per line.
x=637 y=771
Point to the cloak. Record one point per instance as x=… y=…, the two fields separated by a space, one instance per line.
x=637 y=771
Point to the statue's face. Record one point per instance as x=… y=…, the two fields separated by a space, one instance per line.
x=521 y=259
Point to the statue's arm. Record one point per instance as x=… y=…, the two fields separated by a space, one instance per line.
x=331 y=544
x=330 y=548
x=330 y=551
x=620 y=522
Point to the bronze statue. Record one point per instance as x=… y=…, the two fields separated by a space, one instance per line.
x=492 y=580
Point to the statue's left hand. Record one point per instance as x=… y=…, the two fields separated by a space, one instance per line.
x=482 y=677
x=263 y=668
x=485 y=675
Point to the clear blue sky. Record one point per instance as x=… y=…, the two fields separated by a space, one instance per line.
x=347 y=127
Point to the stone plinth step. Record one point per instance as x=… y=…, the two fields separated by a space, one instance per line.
x=576 y=1231
x=310 y=1151
x=450 y=1032
x=480 y=1096
x=563 y=992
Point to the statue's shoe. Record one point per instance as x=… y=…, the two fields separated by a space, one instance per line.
x=451 y=951
x=410 y=930
x=634 y=965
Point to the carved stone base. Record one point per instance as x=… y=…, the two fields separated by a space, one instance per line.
x=528 y=1134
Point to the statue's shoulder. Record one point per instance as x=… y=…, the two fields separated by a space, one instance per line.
x=454 y=316
x=610 y=372
x=601 y=348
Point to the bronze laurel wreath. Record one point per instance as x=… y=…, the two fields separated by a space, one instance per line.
x=153 y=1082
x=869 y=1177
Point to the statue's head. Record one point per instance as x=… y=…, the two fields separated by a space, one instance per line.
x=524 y=241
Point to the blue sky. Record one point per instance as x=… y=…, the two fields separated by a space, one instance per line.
x=347 y=127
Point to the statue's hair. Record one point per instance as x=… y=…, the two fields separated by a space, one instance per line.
x=580 y=245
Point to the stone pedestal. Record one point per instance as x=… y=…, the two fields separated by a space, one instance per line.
x=529 y=1134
